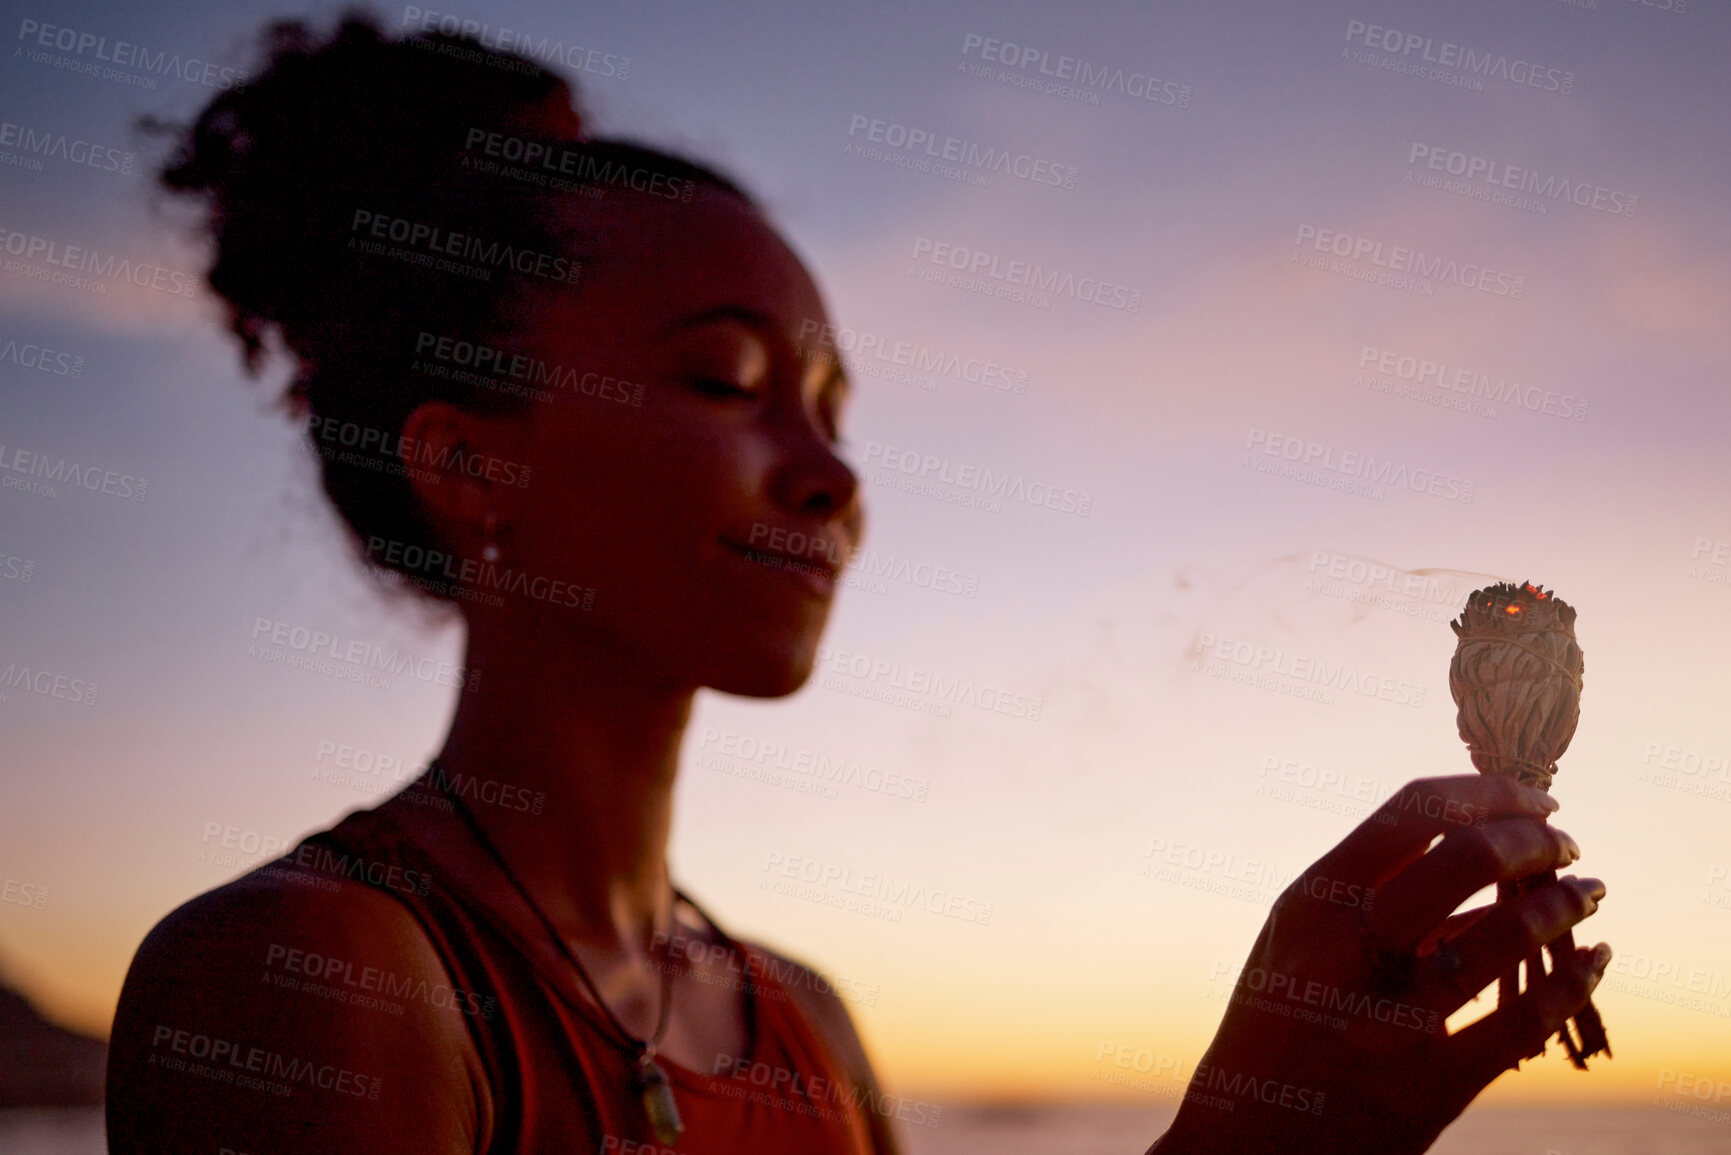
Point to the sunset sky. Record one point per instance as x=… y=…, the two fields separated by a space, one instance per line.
x=1540 y=396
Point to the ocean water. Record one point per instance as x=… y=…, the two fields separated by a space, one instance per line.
x=52 y=1132
x=1091 y=1129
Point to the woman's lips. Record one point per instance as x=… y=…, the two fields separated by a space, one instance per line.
x=819 y=569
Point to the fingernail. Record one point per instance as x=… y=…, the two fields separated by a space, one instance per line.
x=1569 y=844
x=1601 y=957
x=1543 y=801
x=1591 y=888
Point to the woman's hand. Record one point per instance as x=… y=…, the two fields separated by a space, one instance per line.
x=1335 y=1039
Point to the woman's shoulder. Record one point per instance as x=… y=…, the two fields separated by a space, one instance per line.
x=284 y=905
x=274 y=946
x=331 y=890
x=320 y=914
x=255 y=1002
x=780 y=978
x=819 y=1000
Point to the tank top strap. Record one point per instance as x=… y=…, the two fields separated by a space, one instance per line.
x=788 y=1052
x=794 y=1044
x=772 y=1008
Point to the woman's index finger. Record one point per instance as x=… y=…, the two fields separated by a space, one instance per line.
x=1405 y=825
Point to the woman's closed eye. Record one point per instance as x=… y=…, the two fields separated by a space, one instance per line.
x=722 y=387
x=724 y=359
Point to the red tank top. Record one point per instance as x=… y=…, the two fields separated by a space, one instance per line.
x=557 y=1078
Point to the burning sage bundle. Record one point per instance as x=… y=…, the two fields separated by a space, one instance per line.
x=1516 y=679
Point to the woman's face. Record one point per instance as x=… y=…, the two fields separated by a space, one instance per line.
x=698 y=492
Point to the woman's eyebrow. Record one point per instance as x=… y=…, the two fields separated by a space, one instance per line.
x=762 y=324
x=748 y=317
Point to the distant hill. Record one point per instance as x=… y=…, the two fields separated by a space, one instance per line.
x=45 y=1065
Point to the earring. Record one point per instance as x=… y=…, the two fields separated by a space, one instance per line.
x=489 y=528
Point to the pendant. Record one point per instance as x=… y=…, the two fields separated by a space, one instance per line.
x=659 y=1106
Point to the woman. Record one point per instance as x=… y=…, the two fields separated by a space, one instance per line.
x=555 y=381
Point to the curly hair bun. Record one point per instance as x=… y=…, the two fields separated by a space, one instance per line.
x=357 y=202
x=331 y=128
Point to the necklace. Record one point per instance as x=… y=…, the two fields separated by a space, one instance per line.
x=658 y=1103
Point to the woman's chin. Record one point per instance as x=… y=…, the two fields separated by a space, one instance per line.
x=769 y=675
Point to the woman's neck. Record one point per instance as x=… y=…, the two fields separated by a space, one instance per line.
x=604 y=751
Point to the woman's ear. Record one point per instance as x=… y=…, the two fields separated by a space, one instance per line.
x=465 y=469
